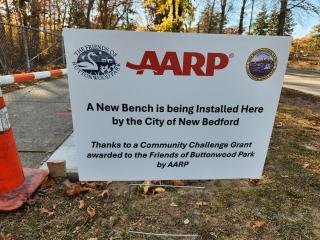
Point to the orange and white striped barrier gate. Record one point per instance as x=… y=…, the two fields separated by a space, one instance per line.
x=22 y=77
x=17 y=184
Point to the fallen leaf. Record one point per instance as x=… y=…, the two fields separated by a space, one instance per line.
x=149 y=186
x=76 y=229
x=146 y=187
x=73 y=190
x=76 y=188
x=312 y=148
x=104 y=192
x=159 y=190
x=254 y=181
x=46 y=211
x=173 y=205
x=306 y=165
x=5 y=236
x=87 y=189
x=202 y=203
x=178 y=183
x=186 y=221
x=81 y=204
x=279 y=125
x=258 y=224
x=91 y=212
x=86 y=186
x=47 y=184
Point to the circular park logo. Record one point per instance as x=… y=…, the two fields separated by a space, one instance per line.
x=261 y=64
x=96 y=62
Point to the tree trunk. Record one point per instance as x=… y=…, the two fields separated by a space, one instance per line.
x=54 y=20
x=240 y=30
x=251 y=16
x=59 y=18
x=223 y=13
x=8 y=16
x=64 y=18
x=2 y=36
x=104 y=14
x=23 y=13
x=282 y=17
x=35 y=23
x=50 y=15
x=43 y=16
x=90 y=6
x=176 y=13
x=70 y=14
x=211 y=17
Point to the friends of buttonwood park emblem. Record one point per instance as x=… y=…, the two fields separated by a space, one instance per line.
x=96 y=62
x=261 y=64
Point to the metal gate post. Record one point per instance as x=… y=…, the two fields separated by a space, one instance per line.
x=26 y=49
x=62 y=52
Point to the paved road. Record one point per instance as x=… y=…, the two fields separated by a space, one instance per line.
x=302 y=80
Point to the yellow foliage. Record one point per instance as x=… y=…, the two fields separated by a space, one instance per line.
x=172 y=13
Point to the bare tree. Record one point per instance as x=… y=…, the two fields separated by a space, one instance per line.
x=89 y=9
x=223 y=4
x=210 y=23
x=240 y=30
x=111 y=12
x=251 y=16
x=300 y=5
x=8 y=18
x=282 y=16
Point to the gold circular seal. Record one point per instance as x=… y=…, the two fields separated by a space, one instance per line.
x=261 y=64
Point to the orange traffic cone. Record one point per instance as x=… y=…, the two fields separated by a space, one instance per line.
x=16 y=184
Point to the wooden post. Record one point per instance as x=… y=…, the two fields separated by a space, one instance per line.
x=57 y=168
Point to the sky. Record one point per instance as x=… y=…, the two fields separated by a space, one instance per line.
x=305 y=27
x=305 y=22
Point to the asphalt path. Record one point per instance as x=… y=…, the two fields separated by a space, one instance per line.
x=303 y=80
x=40 y=118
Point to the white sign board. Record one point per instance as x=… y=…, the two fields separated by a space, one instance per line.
x=172 y=105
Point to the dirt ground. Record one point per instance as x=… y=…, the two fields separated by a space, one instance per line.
x=284 y=204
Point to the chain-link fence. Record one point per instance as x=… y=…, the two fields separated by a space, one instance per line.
x=24 y=49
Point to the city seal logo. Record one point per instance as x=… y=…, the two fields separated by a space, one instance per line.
x=96 y=62
x=261 y=64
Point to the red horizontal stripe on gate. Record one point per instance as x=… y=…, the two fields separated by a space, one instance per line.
x=23 y=77
x=2 y=103
x=56 y=73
